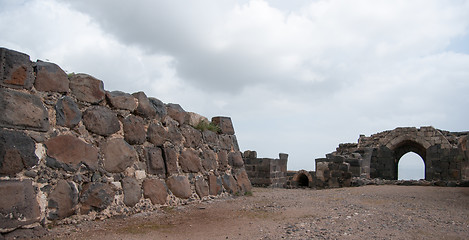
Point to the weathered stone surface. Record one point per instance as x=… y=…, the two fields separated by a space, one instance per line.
x=225 y=124
x=62 y=200
x=18 y=204
x=192 y=136
x=209 y=159
x=16 y=69
x=50 y=78
x=71 y=150
x=87 y=88
x=159 y=106
x=155 y=161
x=193 y=119
x=171 y=157
x=155 y=190
x=222 y=160
x=235 y=159
x=174 y=135
x=156 y=133
x=243 y=180
x=176 y=112
x=134 y=130
x=230 y=184
x=189 y=161
x=22 y=111
x=132 y=191
x=122 y=100
x=210 y=138
x=215 y=185
x=96 y=196
x=225 y=142
x=179 y=186
x=201 y=187
x=16 y=152
x=144 y=108
x=101 y=120
x=118 y=155
x=67 y=112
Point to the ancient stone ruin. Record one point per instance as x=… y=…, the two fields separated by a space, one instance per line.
x=266 y=172
x=70 y=149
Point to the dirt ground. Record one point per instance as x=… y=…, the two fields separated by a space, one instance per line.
x=369 y=212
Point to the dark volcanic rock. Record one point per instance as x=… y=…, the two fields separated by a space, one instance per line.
x=215 y=185
x=18 y=204
x=118 y=155
x=155 y=190
x=210 y=138
x=132 y=191
x=176 y=112
x=243 y=180
x=22 y=111
x=230 y=184
x=144 y=108
x=209 y=159
x=50 y=78
x=222 y=160
x=62 y=200
x=179 y=186
x=71 y=150
x=201 y=187
x=189 y=161
x=16 y=152
x=16 y=69
x=235 y=159
x=134 y=130
x=67 y=112
x=171 y=157
x=225 y=124
x=101 y=120
x=192 y=136
x=159 y=106
x=122 y=100
x=155 y=161
x=97 y=196
x=156 y=134
x=87 y=88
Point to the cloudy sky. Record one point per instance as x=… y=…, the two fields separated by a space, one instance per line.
x=295 y=76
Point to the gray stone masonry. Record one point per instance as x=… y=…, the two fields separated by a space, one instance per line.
x=266 y=172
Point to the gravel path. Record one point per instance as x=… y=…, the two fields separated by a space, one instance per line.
x=370 y=212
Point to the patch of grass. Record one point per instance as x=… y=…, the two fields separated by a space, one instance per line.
x=71 y=74
x=204 y=125
x=248 y=193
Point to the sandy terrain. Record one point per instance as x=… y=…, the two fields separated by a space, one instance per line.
x=370 y=212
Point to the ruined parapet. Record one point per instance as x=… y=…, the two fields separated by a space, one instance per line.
x=70 y=148
x=332 y=173
x=266 y=172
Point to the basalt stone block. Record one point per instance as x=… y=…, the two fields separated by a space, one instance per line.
x=243 y=180
x=16 y=152
x=225 y=124
x=16 y=69
x=134 y=130
x=230 y=183
x=209 y=159
x=67 y=112
x=159 y=106
x=132 y=191
x=189 y=161
x=222 y=160
x=210 y=138
x=62 y=200
x=87 y=88
x=174 y=135
x=225 y=142
x=96 y=196
x=156 y=133
x=192 y=136
x=155 y=161
x=235 y=159
x=171 y=157
x=50 y=78
x=155 y=190
x=201 y=187
x=176 y=112
x=22 y=111
x=118 y=155
x=144 y=108
x=193 y=119
x=122 y=100
x=179 y=186
x=101 y=120
x=18 y=204
x=71 y=150
x=215 y=185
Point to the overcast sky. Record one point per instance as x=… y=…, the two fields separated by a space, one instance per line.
x=295 y=76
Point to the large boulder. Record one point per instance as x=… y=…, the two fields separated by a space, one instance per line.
x=171 y=158
x=122 y=100
x=225 y=124
x=176 y=112
x=222 y=160
x=189 y=161
x=179 y=186
x=16 y=69
x=87 y=88
x=155 y=161
x=215 y=185
x=201 y=187
x=118 y=155
x=71 y=150
x=18 y=204
x=67 y=112
x=132 y=191
x=22 y=111
x=192 y=136
x=155 y=190
x=194 y=119
x=144 y=108
x=156 y=133
x=62 y=200
x=17 y=151
x=159 y=107
x=50 y=78
x=235 y=159
x=101 y=120
x=230 y=183
x=134 y=129
x=243 y=180
x=209 y=159
x=96 y=196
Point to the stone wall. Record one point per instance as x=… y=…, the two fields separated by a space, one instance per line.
x=71 y=150
x=266 y=172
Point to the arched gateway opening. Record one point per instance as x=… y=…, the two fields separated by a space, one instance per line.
x=410 y=160
x=303 y=181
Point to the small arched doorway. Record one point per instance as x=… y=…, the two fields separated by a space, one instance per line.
x=411 y=167
x=303 y=181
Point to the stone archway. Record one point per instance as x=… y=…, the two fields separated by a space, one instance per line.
x=302 y=179
x=404 y=147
